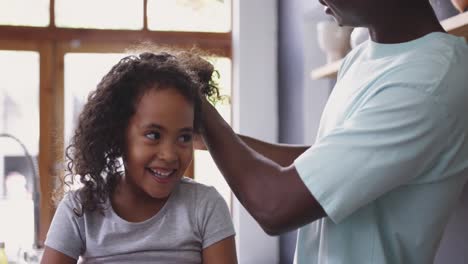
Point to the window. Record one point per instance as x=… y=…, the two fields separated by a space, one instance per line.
x=19 y=107
x=198 y=15
x=82 y=72
x=102 y=14
x=24 y=12
x=50 y=50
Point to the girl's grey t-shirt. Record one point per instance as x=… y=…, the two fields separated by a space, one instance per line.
x=194 y=217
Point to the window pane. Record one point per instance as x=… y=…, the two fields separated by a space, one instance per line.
x=205 y=169
x=19 y=99
x=82 y=73
x=190 y=15
x=24 y=12
x=19 y=117
x=101 y=14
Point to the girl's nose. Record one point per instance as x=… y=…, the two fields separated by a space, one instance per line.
x=167 y=152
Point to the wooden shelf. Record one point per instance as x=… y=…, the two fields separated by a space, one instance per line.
x=328 y=71
x=457 y=25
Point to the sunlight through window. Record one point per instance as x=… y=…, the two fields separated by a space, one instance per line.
x=19 y=117
x=24 y=12
x=83 y=71
x=190 y=15
x=102 y=14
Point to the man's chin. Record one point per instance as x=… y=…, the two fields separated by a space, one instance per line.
x=341 y=23
x=329 y=12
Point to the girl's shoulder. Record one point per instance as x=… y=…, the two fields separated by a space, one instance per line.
x=70 y=199
x=69 y=208
x=72 y=203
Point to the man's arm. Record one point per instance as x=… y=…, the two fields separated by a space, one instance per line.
x=283 y=154
x=268 y=186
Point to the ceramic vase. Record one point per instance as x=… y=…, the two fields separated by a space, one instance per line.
x=333 y=39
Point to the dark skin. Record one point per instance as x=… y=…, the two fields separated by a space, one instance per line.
x=262 y=175
x=388 y=22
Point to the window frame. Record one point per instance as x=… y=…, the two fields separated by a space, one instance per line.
x=52 y=43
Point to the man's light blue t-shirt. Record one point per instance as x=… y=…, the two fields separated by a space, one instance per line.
x=391 y=156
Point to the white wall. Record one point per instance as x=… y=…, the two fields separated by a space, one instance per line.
x=254 y=107
x=316 y=92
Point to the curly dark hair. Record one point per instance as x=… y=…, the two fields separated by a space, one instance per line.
x=95 y=151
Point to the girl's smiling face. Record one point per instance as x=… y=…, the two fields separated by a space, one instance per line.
x=159 y=141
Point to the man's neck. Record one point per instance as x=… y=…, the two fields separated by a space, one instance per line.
x=407 y=25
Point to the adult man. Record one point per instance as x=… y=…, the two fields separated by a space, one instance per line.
x=390 y=158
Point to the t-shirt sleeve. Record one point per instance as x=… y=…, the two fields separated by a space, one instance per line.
x=64 y=234
x=391 y=140
x=214 y=219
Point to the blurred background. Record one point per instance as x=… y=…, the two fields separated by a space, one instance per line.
x=276 y=63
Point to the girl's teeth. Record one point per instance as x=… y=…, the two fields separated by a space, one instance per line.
x=161 y=174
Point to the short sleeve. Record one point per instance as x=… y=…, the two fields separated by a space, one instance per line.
x=64 y=233
x=214 y=219
x=393 y=139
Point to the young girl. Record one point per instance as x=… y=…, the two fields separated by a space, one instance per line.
x=131 y=148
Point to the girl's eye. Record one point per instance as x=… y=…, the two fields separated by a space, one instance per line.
x=185 y=138
x=153 y=135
